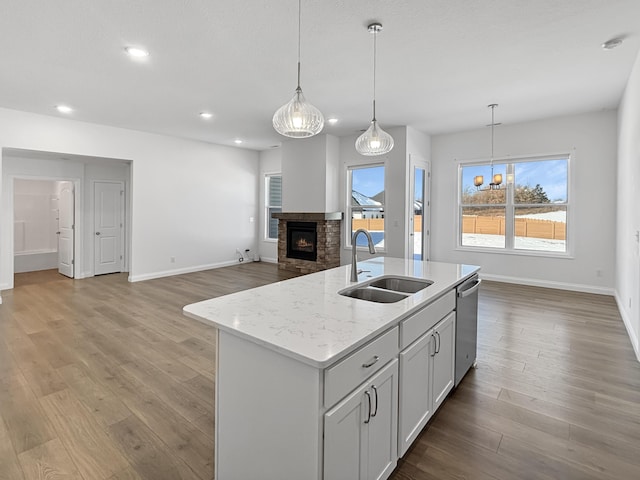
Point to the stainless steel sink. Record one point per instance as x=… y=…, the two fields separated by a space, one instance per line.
x=373 y=295
x=401 y=284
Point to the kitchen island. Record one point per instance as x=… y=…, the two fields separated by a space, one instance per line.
x=310 y=383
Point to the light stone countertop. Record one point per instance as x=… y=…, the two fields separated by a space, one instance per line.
x=306 y=319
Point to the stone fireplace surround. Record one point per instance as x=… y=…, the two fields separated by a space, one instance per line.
x=328 y=241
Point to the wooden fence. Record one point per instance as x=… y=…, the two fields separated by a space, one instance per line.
x=377 y=224
x=525 y=227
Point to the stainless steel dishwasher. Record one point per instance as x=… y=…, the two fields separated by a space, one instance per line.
x=466 y=326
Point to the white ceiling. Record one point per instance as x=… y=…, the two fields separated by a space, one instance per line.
x=440 y=62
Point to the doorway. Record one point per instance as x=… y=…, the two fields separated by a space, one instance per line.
x=43 y=225
x=83 y=172
x=108 y=215
x=419 y=209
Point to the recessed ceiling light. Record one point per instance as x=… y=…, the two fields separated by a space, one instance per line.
x=64 y=109
x=332 y=121
x=238 y=141
x=137 y=52
x=611 y=44
x=206 y=115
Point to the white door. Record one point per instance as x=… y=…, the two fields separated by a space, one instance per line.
x=66 y=227
x=344 y=437
x=382 y=442
x=444 y=360
x=108 y=221
x=419 y=209
x=415 y=390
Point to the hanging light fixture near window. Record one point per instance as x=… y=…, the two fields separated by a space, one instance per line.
x=496 y=179
x=298 y=118
x=374 y=141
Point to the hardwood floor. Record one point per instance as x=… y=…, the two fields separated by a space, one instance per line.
x=104 y=379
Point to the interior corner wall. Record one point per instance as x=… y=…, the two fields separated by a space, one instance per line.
x=591 y=139
x=627 y=281
x=270 y=163
x=190 y=200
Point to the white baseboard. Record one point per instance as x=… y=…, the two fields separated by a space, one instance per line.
x=180 y=271
x=627 y=324
x=268 y=260
x=575 y=287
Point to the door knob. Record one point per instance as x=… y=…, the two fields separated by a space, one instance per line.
x=97 y=233
x=57 y=233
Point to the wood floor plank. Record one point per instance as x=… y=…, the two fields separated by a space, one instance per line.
x=148 y=456
x=26 y=423
x=103 y=404
x=47 y=462
x=86 y=441
x=9 y=465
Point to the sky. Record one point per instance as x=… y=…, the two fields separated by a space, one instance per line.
x=368 y=181
x=550 y=174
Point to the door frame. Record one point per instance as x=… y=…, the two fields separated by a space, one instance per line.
x=78 y=221
x=123 y=218
x=416 y=161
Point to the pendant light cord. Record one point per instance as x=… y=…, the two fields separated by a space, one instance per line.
x=375 y=35
x=299 y=30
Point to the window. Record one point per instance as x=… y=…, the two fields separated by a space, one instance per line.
x=366 y=204
x=528 y=212
x=273 y=204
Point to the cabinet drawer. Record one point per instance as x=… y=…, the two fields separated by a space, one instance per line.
x=350 y=372
x=417 y=324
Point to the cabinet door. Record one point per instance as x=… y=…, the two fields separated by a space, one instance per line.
x=444 y=360
x=345 y=437
x=382 y=452
x=360 y=432
x=415 y=390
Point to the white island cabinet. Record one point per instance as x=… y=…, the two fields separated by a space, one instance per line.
x=314 y=385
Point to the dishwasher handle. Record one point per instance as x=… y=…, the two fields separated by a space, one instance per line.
x=470 y=291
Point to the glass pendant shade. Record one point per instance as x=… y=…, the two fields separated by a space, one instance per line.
x=298 y=118
x=375 y=141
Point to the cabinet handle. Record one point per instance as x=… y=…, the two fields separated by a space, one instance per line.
x=375 y=390
x=434 y=345
x=438 y=347
x=373 y=361
x=369 y=412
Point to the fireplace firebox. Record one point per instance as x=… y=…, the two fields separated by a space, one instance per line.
x=302 y=242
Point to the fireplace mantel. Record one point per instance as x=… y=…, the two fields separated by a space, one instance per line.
x=328 y=241
x=307 y=216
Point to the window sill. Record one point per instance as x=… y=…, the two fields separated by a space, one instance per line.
x=270 y=240
x=521 y=253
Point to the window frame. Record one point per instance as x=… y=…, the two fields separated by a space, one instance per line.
x=510 y=207
x=349 y=206
x=268 y=205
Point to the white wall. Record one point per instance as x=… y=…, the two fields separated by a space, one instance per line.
x=591 y=140
x=309 y=173
x=35 y=222
x=627 y=281
x=190 y=200
x=270 y=163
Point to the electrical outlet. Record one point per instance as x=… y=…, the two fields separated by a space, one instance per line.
x=173 y=259
x=599 y=272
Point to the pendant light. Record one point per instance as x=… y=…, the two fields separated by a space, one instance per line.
x=496 y=180
x=374 y=141
x=298 y=118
